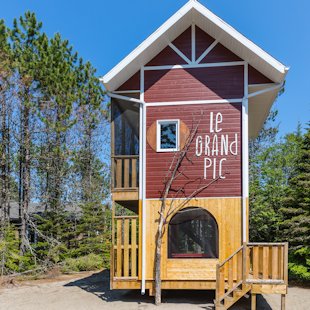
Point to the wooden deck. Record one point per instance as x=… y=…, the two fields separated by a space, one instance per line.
x=258 y=268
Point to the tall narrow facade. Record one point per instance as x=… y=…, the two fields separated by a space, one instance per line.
x=195 y=84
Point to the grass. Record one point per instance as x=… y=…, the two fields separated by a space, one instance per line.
x=89 y=262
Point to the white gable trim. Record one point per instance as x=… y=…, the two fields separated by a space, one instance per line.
x=139 y=56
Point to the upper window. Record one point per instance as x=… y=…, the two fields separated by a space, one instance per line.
x=167 y=135
x=193 y=233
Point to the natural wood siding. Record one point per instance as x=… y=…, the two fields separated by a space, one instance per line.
x=194 y=84
x=255 y=77
x=227 y=213
x=157 y=164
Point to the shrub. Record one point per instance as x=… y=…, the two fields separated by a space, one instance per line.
x=84 y=263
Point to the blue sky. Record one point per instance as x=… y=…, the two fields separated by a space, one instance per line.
x=105 y=31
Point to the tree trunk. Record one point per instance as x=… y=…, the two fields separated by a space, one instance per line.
x=158 y=254
x=25 y=181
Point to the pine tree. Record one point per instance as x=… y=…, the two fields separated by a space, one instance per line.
x=296 y=213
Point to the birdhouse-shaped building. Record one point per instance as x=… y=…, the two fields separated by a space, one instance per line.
x=184 y=105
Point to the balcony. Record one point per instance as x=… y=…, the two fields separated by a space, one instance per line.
x=125 y=177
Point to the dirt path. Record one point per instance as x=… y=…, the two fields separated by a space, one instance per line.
x=91 y=292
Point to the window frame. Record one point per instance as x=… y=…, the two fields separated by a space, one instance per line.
x=158 y=135
x=205 y=256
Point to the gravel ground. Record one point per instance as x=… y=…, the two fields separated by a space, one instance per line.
x=90 y=291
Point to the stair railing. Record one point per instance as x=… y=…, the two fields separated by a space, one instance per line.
x=252 y=263
x=230 y=274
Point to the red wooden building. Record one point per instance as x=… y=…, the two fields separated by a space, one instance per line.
x=195 y=75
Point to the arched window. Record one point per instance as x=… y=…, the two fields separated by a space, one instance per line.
x=193 y=233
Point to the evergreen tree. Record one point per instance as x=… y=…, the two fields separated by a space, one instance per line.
x=296 y=213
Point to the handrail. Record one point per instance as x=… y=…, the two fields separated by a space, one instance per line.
x=266 y=243
x=259 y=263
x=229 y=257
x=126 y=216
x=125 y=156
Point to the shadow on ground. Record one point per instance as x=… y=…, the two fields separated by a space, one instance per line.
x=99 y=285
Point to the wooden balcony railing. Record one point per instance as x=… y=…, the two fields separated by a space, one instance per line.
x=124 y=254
x=252 y=263
x=125 y=172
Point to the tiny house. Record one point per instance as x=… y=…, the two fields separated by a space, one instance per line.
x=197 y=77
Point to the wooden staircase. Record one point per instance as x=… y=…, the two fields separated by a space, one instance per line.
x=256 y=267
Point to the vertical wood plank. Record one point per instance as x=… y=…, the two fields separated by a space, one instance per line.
x=275 y=261
x=265 y=262
x=112 y=258
x=217 y=284
x=221 y=283
x=126 y=250
x=285 y=264
x=134 y=172
x=126 y=173
x=119 y=248
x=255 y=262
x=239 y=266
x=253 y=301
x=134 y=248
x=281 y=262
x=283 y=302
x=230 y=274
x=119 y=163
x=244 y=262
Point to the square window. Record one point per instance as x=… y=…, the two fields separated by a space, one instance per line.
x=167 y=135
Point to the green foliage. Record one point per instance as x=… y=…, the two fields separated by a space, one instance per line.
x=279 y=194
x=59 y=112
x=10 y=258
x=83 y=263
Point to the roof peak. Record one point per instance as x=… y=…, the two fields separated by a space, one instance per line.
x=194 y=12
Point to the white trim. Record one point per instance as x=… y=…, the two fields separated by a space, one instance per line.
x=142 y=173
x=239 y=37
x=193 y=43
x=158 y=135
x=143 y=282
x=260 y=92
x=245 y=155
x=126 y=91
x=276 y=68
x=193 y=199
x=112 y=95
x=179 y=53
x=207 y=51
x=261 y=85
x=193 y=66
x=153 y=104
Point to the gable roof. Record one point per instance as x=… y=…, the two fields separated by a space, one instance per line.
x=195 y=12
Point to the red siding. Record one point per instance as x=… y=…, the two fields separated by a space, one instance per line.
x=203 y=41
x=184 y=43
x=220 y=54
x=255 y=77
x=157 y=164
x=167 y=57
x=131 y=84
x=194 y=84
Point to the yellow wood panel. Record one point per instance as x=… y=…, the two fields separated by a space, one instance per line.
x=126 y=250
x=134 y=248
x=194 y=269
x=125 y=194
x=269 y=289
x=227 y=213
